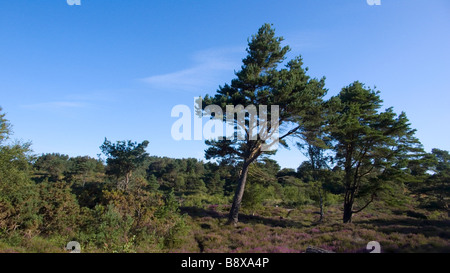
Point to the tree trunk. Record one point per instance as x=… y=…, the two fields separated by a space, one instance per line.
x=127 y=180
x=348 y=207
x=84 y=180
x=349 y=190
x=234 y=212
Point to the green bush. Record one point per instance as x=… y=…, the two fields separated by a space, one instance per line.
x=296 y=196
x=18 y=194
x=202 y=199
x=112 y=230
x=175 y=235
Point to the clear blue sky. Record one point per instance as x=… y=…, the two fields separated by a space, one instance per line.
x=72 y=75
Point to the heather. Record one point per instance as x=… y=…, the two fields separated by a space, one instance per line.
x=270 y=231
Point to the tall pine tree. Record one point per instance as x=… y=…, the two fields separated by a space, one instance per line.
x=261 y=83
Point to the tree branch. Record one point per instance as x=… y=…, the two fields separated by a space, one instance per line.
x=291 y=132
x=365 y=206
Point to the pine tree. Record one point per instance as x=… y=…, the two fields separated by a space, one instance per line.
x=260 y=82
x=123 y=158
x=372 y=147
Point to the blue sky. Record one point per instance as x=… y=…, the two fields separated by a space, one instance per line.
x=72 y=75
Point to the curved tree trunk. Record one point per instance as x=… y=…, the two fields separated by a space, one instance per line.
x=234 y=212
x=127 y=179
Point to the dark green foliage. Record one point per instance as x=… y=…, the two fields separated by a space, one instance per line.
x=90 y=194
x=171 y=205
x=434 y=191
x=123 y=158
x=332 y=181
x=269 y=166
x=5 y=127
x=18 y=194
x=84 y=169
x=183 y=175
x=112 y=230
x=262 y=186
x=254 y=196
x=153 y=184
x=372 y=147
x=215 y=184
x=286 y=172
x=51 y=167
x=195 y=183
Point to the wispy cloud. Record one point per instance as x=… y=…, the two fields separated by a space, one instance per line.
x=208 y=69
x=77 y=100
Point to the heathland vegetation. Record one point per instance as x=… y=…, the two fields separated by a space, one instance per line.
x=367 y=178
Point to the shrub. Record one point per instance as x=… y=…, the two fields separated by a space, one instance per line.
x=58 y=209
x=296 y=195
x=112 y=231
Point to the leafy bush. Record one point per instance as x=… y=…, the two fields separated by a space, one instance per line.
x=296 y=196
x=18 y=194
x=202 y=199
x=112 y=231
x=58 y=209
